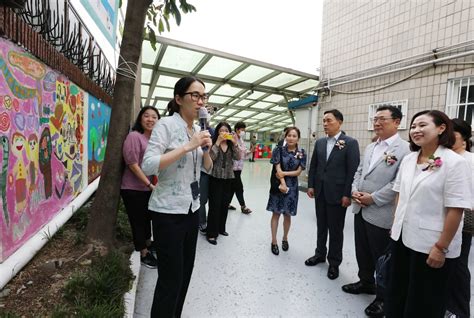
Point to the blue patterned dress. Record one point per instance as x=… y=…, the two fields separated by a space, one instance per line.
x=291 y=160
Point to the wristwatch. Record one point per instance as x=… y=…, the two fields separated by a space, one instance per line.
x=443 y=250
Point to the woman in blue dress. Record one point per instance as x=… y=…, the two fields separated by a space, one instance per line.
x=289 y=161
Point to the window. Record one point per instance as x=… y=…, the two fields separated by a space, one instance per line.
x=460 y=99
x=400 y=104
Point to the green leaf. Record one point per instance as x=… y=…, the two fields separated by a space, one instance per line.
x=152 y=37
x=161 y=27
x=175 y=11
x=120 y=3
x=167 y=24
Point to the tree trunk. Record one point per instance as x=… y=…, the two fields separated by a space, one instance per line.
x=102 y=222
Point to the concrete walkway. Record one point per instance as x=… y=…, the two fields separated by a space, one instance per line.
x=240 y=277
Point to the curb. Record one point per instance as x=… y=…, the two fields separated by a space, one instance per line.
x=129 y=297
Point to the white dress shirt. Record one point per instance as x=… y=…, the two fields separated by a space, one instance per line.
x=380 y=148
x=331 y=141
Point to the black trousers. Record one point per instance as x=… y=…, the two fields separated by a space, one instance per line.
x=459 y=284
x=176 y=236
x=219 y=190
x=330 y=219
x=136 y=204
x=415 y=289
x=237 y=188
x=371 y=242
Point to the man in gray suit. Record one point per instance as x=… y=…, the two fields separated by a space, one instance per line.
x=372 y=192
x=333 y=164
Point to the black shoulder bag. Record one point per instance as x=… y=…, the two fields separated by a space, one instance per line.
x=274 y=181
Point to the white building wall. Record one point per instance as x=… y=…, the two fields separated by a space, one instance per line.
x=359 y=37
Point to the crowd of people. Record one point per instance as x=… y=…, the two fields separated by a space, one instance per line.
x=411 y=201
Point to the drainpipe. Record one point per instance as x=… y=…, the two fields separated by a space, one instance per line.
x=15 y=262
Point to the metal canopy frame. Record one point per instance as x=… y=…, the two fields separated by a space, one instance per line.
x=242 y=89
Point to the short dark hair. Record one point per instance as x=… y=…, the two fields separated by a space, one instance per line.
x=336 y=114
x=240 y=125
x=394 y=110
x=288 y=129
x=446 y=139
x=180 y=89
x=216 y=132
x=137 y=126
x=462 y=127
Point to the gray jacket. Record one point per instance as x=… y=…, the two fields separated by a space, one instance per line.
x=378 y=181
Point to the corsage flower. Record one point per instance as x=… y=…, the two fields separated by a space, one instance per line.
x=389 y=158
x=299 y=154
x=433 y=163
x=340 y=144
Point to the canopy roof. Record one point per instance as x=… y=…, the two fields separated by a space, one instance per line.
x=242 y=89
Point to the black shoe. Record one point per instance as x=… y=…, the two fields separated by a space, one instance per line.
x=152 y=247
x=375 y=309
x=203 y=229
x=333 y=272
x=149 y=260
x=275 y=249
x=284 y=245
x=314 y=260
x=231 y=207
x=224 y=233
x=359 y=288
x=212 y=240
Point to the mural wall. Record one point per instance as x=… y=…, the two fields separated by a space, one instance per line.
x=42 y=145
x=98 y=123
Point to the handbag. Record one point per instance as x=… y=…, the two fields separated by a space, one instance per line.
x=274 y=181
x=382 y=268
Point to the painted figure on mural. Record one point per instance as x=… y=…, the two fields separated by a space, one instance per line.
x=19 y=173
x=45 y=149
x=32 y=153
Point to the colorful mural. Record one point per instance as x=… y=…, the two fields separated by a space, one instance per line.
x=42 y=144
x=98 y=122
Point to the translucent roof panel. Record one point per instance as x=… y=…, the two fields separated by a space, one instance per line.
x=279 y=109
x=219 y=67
x=281 y=80
x=255 y=95
x=148 y=54
x=144 y=90
x=146 y=75
x=227 y=112
x=163 y=92
x=308 y=84
x=167 y=81
x=244 y=113
x=161 y=104
x=262 y=116
x=261 y=105
x=209 y=86
x=181 y=59
x=218 y=99
x=227 y=90
x=274 y=98
x=243 y=102
x=252 y=73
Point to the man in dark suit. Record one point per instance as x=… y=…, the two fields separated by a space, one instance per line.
x=333 y=164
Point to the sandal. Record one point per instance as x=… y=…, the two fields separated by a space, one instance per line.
x=284 y=245
x=246 y=210
x=275 y=249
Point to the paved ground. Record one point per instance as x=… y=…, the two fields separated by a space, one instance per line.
x=240 y=277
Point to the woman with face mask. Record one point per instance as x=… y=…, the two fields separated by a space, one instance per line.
x=237 y=185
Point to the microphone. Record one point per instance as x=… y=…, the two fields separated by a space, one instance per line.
x=203 y=114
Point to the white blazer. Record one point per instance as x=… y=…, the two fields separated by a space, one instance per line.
x=423 y=200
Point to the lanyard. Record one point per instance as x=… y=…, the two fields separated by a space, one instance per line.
x=194 y=153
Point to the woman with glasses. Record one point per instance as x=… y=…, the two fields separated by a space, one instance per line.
x=175 y=153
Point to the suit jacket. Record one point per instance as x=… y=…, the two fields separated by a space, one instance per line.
x=378 y=181
x=335 y=174
x=421 y=209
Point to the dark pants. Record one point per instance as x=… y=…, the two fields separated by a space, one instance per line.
x=136 y=204
x=415 y=289
x=176 y=236
x=237 y=188
x=459 y=285
x=371 y=242
x=253 y=155
x=219 y=190
x=330 y=218
x=204 y=195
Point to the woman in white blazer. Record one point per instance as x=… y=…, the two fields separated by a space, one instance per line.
x=433 y=189
x=459 y=286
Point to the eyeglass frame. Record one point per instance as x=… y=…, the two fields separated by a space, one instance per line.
x=195 y=98
x=380 y=119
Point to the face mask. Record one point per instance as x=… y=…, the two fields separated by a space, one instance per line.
x=242 y=134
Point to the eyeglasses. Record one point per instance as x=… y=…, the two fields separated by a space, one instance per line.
x=380 y=119
x=195 y=96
